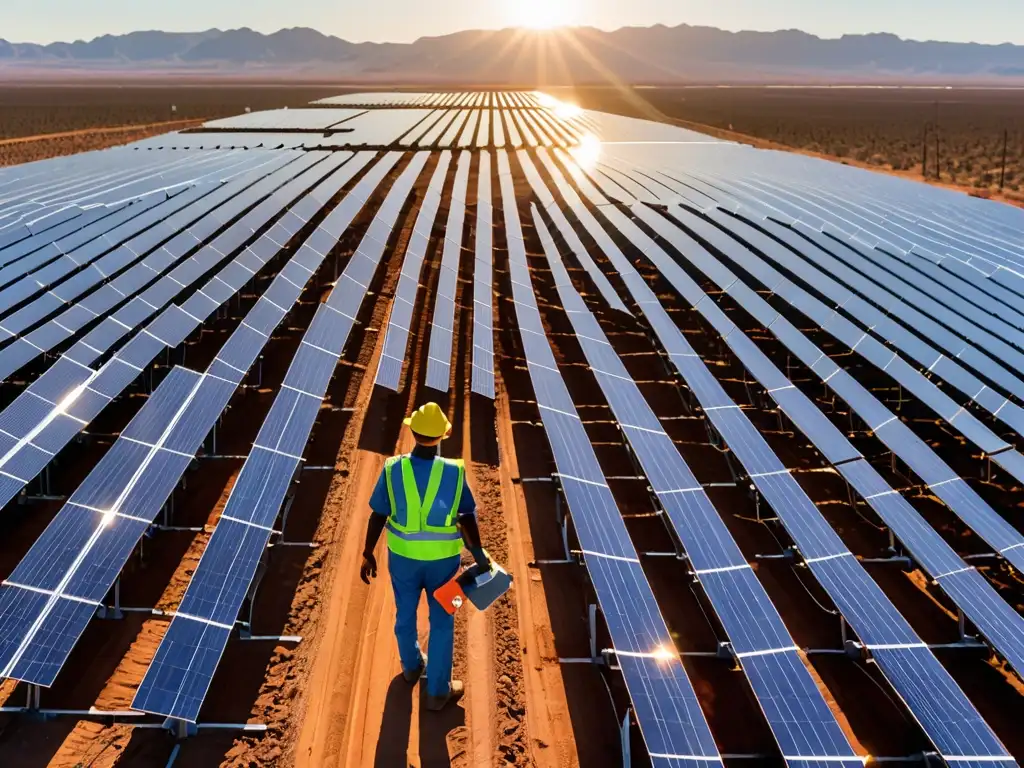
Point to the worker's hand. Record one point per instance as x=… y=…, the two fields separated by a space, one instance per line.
x=369 y=568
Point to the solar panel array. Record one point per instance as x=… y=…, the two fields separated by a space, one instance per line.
x=424 y=121
x=803 y=725
x=673 y=725
x=456 y=100
x=811 y=277
x=180 y=675
x=284 y=120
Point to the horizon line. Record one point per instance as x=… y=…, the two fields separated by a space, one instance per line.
x=526 y=30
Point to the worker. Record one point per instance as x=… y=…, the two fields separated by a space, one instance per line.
x=428 y=509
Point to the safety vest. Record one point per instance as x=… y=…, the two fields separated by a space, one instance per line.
x=414 y=537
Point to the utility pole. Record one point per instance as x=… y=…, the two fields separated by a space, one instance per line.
x=1002 y=174
x=938 y=161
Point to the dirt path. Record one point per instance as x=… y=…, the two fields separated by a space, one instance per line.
x=168 y=124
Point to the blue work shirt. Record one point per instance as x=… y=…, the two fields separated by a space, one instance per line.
x=421 y=466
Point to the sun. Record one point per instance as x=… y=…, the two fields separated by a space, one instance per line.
x=542 y=14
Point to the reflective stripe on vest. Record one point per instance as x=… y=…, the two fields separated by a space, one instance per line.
x=416 y=538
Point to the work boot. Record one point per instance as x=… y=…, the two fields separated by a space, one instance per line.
x=437 y=703
x=413 y=677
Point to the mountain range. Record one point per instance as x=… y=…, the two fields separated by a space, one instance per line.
x=638 y=55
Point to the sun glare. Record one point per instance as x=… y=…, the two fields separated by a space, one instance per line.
x=542 y=14
x=588 y=152
x=663 y=653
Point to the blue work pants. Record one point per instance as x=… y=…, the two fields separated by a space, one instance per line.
x=409 y=578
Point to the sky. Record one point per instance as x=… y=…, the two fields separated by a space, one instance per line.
x=986 y=21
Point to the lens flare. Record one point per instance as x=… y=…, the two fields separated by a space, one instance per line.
x=546 y=100
x=588 y=152
x=567 y=111
x=663 y=653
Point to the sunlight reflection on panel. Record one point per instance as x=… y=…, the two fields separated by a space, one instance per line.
x=588 y=152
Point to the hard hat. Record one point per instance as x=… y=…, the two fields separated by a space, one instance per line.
x=429 y=421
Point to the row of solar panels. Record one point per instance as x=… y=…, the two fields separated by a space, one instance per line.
x=396 y=341
x=666 y=708
x=460 y=100
x=414 y=128
x=36 y=197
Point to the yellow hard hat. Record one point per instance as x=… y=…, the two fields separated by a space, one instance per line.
x=429 y=421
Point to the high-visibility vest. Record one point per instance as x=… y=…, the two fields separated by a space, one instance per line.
x=414 y=537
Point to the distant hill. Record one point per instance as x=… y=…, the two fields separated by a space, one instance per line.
x=636 y=55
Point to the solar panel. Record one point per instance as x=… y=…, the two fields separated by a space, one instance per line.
x=113 y=292
x=467 y=139
x=483 y=299
x=287 y=119
x=89 y=533
x=396 y=340
x=665 y=703
x=936 y=299
x=433 y=136
x=568 y=233
x=804 y=727
x=186 y=269
x=882 y=324
x=38 y=272
x=497 y=129
x=515 y=139
x=15 y=251
x=177 y=680
x=896 y=435
x=483 y=138
x=559 y=132
x=454 y=129
x=861 y=602
x=167 y=330
x=443 y=322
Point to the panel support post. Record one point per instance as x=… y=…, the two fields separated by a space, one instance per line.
x=34 y=694
x=592 y=621
x=961 y=625
x=626 y=757
x=289 y=500
x=181 y=729
x=117 y=613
